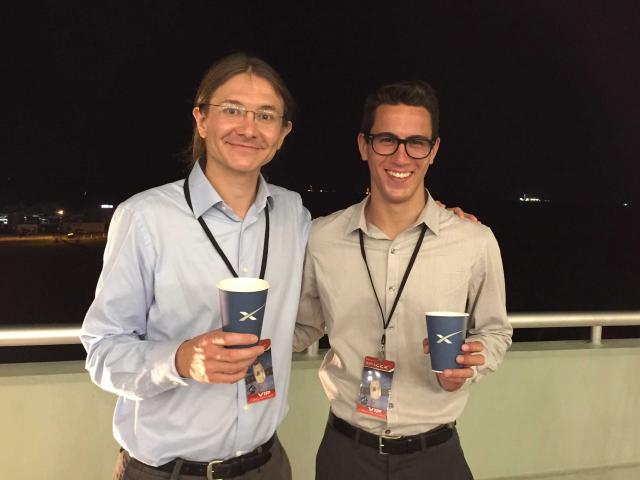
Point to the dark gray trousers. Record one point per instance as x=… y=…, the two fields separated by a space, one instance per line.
x=340 y=458
x=277 y=468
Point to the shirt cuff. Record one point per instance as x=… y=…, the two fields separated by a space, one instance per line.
x=164 y=364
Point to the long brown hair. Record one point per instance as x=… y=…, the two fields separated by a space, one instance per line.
x=223 y=70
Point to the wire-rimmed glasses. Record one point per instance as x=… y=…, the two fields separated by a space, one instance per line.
x=236 y=112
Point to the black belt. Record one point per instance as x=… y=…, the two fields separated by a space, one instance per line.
x=215 y=469
x=386 y=444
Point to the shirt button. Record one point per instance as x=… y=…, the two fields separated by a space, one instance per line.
x=393 y=250
x=390 y=404
x=391 y=289
x=387 y=431
x=245 y=270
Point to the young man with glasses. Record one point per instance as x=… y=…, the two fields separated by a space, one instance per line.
x=153 y=333
x=404 y=255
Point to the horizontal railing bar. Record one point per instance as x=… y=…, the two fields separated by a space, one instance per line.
x=12 y=336
x=574 y=319
x=22 y=336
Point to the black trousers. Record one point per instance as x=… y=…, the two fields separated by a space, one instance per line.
x=340 y=458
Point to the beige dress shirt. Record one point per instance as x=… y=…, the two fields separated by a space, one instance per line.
x=458 y=268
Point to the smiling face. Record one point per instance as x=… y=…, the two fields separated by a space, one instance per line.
x=240 y=146
x=398 y=179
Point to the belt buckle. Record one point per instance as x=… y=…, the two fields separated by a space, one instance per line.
x=210 y=469
x=381 y=439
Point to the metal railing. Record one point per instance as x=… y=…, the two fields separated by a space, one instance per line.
x=13 y=336
x=595 y=320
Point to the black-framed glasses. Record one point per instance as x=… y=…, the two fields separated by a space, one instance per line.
x=416 y=146
x=235 y=112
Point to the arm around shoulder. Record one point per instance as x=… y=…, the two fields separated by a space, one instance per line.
x=310 y=321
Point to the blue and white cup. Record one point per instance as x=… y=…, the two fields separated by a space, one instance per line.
x=446 y=332
x=242 y=304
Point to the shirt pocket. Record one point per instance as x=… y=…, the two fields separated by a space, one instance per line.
x=447 y=281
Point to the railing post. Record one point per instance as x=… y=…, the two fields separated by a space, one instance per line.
x=596 y=335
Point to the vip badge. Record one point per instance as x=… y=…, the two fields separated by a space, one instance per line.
x=375 y=387
x=259 y=381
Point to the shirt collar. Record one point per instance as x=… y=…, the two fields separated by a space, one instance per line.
x=430 y=216
x=357 y=220
x=204 y=196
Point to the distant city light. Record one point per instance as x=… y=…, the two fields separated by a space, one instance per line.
x=106 y=206
x=526 y=198
x=60 y=212
x=625 y=204
x=311 y=188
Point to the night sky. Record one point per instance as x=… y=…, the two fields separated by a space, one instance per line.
x=537 y=97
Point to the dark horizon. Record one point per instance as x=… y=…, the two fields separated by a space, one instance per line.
x=536 y=98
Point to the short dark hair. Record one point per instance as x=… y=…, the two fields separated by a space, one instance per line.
x=412 y=92
x=223 y=70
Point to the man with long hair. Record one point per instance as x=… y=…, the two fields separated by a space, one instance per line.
x=153 y=333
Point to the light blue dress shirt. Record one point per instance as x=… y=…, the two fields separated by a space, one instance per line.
x=158 y=288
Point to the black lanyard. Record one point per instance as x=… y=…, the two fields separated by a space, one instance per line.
x=385 y=323
x=265 y=248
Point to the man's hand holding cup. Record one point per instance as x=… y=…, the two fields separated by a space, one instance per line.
x=205 y=358
x=223 y=355
x=452 y=359
x=452 y=379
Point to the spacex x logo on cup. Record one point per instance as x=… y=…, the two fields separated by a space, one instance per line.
x=445 y=338
x=242 y=304
x=249 y=316
x=446 y=332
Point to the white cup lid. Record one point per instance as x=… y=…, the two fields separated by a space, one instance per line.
x=243 y=284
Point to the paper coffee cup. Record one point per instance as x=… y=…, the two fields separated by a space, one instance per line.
x=242 y=304
x=446 y=332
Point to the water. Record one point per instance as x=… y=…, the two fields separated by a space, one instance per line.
x=556 y=258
